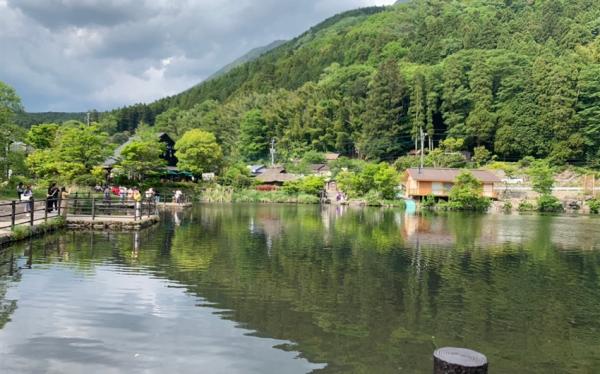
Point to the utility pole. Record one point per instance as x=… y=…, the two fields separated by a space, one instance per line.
x=272 y=151
x=422 y=148
x=88 y=118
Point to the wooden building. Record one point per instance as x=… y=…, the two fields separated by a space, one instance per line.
x=438 y=182
x=275 y=176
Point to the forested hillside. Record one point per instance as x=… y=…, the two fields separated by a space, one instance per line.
x=520 y=78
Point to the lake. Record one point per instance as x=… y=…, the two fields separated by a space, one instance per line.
x=296 y=289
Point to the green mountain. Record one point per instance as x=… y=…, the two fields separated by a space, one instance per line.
x=28 y=119
x=252 y=55
x=519 y=78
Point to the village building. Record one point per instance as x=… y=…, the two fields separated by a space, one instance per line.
x=439 y=181
x=320 y=170
x=330 y=156
x=275 y=176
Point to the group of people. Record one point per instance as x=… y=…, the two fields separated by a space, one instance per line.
x=129 y=194
x=25 y=194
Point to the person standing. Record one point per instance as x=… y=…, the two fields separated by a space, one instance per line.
x=137 y=198
x=52 y=198
x=20 y=190
x=106 y=193
x=64 y=201
x=122 y=193
x=27 y=196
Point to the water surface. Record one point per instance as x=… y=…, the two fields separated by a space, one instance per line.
x=295 y=289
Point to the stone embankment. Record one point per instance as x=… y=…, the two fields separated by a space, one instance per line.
x=108 y=223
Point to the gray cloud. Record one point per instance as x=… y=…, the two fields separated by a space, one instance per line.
x=73 y=55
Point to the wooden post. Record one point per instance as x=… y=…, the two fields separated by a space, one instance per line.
x=46 y=211
x=93 y=208
x=13 y=206
x=75 y=204
x=459 y=361
x=31 y=210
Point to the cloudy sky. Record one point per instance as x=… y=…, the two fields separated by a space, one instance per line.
x=75 y=55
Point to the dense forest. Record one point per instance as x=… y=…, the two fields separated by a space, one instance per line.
x=519 y=78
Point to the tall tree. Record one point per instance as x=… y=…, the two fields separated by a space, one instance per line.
x=385 y=134
x=198 y=152
x=254 y=136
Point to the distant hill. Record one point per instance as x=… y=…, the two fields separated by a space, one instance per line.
x=250 y=56
x=27 y=120
x=507 y=78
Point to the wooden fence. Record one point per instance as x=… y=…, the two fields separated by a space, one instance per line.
x=28 y=213
x=34 y=211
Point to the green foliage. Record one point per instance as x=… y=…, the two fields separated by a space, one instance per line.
x=515 y=77
x=381 y=178
x=507 y=207
x=542 y=176
x=481 y=156
x=10 y=103
x=253 y=196
x=198 y=152
x=141 y=158
x=594 y=205
x=549 y=204
x=237 y=176
x=313 y=157
x=526 y=206
x=428 y=202
x=254 y=137
x=466 y=194
x=76 y=151
x=311 y=185
x=42 y=136
x=383 y=128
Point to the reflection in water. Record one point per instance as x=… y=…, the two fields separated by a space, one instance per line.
x=362 y=290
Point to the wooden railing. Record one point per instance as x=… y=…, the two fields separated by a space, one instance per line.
x=29 y=213
x=16 y=213
x=95 y=207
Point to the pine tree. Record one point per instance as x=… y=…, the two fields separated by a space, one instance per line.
x=384 y=134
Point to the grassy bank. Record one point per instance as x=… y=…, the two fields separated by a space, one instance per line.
x=25 y=231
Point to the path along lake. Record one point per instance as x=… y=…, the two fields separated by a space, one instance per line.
x=295 y=289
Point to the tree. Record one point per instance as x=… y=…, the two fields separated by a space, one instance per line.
x=542 y=177
x=198 y=152
x=237 y=176
x=10 y=103
x=386 y=181
x=467 y=194
x=42 y=136
x=77 y=150
x=481 y=156
x=254 y=136
x=385 y=136
x=142 y=158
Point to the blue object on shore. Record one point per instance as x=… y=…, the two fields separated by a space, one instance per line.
x=411 y=206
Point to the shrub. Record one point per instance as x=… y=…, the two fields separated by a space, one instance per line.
x=20 y=232
x=549 y=204
x=594 y=205
x=373 y=198
x=311 y=185
x=526 y=206
x=507 y=207
x=237 y=176
x=466 y=194
x=428 y=202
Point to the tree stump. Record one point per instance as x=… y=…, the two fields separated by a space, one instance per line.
x=459 y=361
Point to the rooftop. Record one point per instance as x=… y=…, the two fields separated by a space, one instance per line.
x=449 y=175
